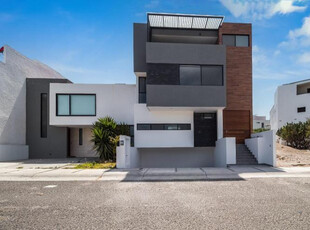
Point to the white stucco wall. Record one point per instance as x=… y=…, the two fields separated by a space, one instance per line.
x=115 y=100
x=13 y=73
x=84 y=150
x=263 y=146
x=285 y=106
x=225 y=152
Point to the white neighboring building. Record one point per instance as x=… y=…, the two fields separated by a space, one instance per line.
x=260 y=122
x=291 y=104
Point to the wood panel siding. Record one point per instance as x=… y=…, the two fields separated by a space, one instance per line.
x=238 y=83
x=237 y=123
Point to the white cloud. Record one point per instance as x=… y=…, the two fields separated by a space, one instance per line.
x=304 y=58
x=259 y=9
x=298 y=38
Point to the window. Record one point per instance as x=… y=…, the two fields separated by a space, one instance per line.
x=229 y=40
x=236 y=40
x=80 y=136
x=76 y=105
x=201 y=75
x=242 y=40
x=142 y=90
x=212 y=75
x=43 y=115
x=308 y=90
x=163 y=126
x=190 y=75
x=132 y=135
x=301 y=109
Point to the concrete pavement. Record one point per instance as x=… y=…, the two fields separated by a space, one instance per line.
x=273 y=203
x=60 y=170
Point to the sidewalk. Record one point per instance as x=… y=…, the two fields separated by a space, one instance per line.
x=55 y=170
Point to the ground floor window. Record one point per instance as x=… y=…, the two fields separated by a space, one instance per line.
x=163 y=126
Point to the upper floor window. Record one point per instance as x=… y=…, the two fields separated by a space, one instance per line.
x=301 y=109
x=236 y=40
x=201 y=75
x=76 y=105
x=142 y=90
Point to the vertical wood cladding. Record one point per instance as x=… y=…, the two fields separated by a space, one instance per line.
x=238 y=71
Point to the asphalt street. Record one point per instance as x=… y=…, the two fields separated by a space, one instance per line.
x=269 y=203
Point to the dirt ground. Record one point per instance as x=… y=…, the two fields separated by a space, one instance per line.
x=287 y=156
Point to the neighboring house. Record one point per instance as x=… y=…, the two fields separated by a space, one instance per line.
x=291 y=104
x=260 y=122
x=193 y=88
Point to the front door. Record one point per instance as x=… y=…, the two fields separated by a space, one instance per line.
x=205 y=129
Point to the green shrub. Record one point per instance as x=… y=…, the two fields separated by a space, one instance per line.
x=105 y=135
x=297 y=135
x=260 y=130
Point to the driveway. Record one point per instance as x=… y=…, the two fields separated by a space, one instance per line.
x=261 y=203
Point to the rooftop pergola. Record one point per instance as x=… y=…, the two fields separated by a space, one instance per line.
x=184 y=21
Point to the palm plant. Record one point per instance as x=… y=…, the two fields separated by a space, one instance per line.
x=105 y=135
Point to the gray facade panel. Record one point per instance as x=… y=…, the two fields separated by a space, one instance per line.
x=176 y=157
x=139 y=38
x=186 y=96
x=55 y=143
x=175 y=53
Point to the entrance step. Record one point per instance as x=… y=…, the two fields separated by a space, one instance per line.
x=244 y=155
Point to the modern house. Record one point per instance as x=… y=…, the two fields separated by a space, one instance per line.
x=291 y=104
x=190 y=106
x=260 y=122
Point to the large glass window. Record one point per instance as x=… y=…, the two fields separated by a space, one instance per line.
x=190 y=75
x=76 y=105
x=236 y=40
x=229 y=40
x=242 y=40
x=63 y=105
x=83 y=105
x=212 y=75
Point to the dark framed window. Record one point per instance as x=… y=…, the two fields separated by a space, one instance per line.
x=235 y=40
x=75 y=104
x=229 y=40
x=301 y=109
x=43 y=124
x=80 y=136
x=190 y=75
x=212 y=75
x=142 y=90
x=132 y=135
x=163 y=126
x=308 y=90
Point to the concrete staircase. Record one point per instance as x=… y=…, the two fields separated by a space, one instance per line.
x=244 y=155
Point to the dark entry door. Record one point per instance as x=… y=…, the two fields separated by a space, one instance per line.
x=205 y=129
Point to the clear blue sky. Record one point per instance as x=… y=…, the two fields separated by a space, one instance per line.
x=91 y=41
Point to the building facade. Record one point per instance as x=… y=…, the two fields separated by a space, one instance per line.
x=291 y=104
x=260 y=122
x=193 y=87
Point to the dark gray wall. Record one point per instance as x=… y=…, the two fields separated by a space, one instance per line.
x=176 y=157
x=175 y=53
x=55 y=145
x=186 y=95
x=139 y=42
x=158 y=94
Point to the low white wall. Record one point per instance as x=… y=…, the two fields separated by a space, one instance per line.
x=126 y=156
x=263 y=146
x=225 y=152
x=14 y=152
